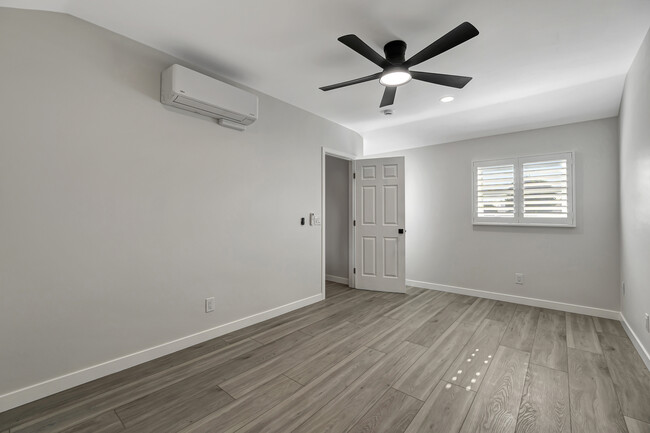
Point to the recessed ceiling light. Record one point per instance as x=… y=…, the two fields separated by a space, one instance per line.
x=446 y=99
x=395 y=77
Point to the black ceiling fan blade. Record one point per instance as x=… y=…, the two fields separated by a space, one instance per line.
x=353 y=42
x=455 y=37
x=389 y=96
x=351 y=82
x=456 y=81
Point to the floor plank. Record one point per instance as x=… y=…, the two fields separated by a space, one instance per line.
x=280 y=331
x=636 y=426
x=388 y=303
x=245 y=409
x=594 y=404
x=255 y=357
x=87 y=408
x=423 y=376
x=550 y=348
x=545 y=403
x=521 y=329
x=388 y=341
x=391 y=414
x=405 y=310
x=313 y=367
x=496 y=405
x=609 y=326
x=296 y=409
x=349 y=406
x=413 y=291
x=444 y=411
x=478 y=311
x=57 y=402
x=469 y=367
x=465 y=299
x=630 y=375
x=174 y=407
x=502 y=311
x=581 y=333
x=333 y=289
x=342 y=315
x=264 y=372
x=108 y=422
x=430 y=331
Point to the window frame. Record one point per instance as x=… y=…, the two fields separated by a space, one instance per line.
x=518 y=219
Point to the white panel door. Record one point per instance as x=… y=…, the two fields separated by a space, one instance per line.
x=379 y=238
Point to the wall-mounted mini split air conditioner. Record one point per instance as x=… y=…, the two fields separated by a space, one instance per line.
x=189 y=90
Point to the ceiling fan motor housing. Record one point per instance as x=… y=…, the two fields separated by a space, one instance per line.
x=395 y=51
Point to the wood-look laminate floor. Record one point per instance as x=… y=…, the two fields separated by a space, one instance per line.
x=368 y=362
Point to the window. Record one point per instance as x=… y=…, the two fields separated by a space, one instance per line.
x=533 y=190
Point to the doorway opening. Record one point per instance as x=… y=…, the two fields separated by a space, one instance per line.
x=337 y=231
x=336 y=225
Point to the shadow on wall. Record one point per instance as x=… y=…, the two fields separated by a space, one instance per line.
x=143 y=75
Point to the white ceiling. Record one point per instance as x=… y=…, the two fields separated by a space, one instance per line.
x=535 y=62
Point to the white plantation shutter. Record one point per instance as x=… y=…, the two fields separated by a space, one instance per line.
x=535 y=190
x=495 y=191
x=545 y=189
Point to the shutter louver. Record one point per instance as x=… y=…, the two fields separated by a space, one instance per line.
x=545 y=189
x=495 y=187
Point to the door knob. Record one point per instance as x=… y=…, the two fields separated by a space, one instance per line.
x=401 y=231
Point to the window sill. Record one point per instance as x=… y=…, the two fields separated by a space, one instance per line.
x=535 y=224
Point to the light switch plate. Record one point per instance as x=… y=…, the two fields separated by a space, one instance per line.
x=209 y=305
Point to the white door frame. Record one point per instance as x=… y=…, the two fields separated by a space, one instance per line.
x=325 y=151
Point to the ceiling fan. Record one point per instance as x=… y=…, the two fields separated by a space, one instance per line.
x=396 y=69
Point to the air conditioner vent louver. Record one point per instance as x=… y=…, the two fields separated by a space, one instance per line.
x=208 y=110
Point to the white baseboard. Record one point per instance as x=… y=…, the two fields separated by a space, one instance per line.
x=643 y=352
x=533 y=302
x=336 y=279
x=70 y=380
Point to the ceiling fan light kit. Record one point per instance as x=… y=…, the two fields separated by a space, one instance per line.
x=396 y=70
x=395 y=77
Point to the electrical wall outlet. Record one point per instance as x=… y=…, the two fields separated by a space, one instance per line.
x=647 y=322
x=519 y=278
x=209 y=305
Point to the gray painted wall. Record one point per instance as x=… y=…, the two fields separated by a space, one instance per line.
x=119 y=216
x=570 y=265
x=337 y=213
x=635 y=193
